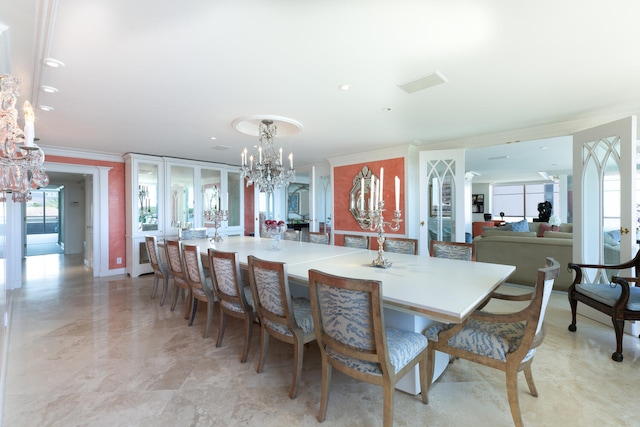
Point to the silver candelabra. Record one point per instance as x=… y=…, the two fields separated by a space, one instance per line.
x=216 y=217
x=373 y=220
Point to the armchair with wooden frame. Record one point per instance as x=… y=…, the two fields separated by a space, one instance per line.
x=505 y=341
x=452 y=250
x=618 y=298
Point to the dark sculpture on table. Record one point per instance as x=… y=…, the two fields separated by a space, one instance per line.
x=544 y=211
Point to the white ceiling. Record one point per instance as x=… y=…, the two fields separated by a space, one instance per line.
x=162 y=77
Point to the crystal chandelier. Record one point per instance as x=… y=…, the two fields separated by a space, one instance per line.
x=266 y=169
x=21 y=160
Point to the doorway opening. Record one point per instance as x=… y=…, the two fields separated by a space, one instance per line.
x=44 y=222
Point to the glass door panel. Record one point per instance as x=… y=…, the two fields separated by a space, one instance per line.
x=147 y=196
x=182 y=197
x=234 y=187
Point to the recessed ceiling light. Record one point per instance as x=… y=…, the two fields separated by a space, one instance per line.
x=345 y=86
x=53 y=63
x=45 y=108
x=386 y=109
x=212 y=138
x=544 y=148
x=50 y=89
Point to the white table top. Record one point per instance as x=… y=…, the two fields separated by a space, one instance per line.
x=442 y=289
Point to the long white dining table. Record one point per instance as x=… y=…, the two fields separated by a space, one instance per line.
x=417 y=290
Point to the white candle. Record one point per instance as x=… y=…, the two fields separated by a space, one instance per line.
x=362 y=193
x=28 y=124
x=259 y=154
x=371 y=188
x=375 y=194
x=242 y=158
x=291 y=160
x=397 y=193
x=381 y=194
x=251 y=162
x=280 y=155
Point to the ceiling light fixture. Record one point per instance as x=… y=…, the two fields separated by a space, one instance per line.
x=345 y=86
x=49 y=89
x=21 y=159
x=53 y=63
x=266 y=169
x=45 y=108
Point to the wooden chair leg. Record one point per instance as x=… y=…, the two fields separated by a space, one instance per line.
x=176 y=291
x=431 y=364
x=424 y=388
x=324 y=390
x=194 y=304
x=389 y=392
x=248 y=327
x=223 y=323
x=529 y=377
x=155 y=287
x=264 y=344
x=190 y=306
x=209 y=318
x=298 y=355
x=618 y=326
x=512 y=394
x=165 y=289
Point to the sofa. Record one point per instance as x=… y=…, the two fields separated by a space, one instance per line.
x=528 y=252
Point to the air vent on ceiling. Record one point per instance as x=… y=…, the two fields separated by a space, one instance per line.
x=424 y=83
x=221 y=147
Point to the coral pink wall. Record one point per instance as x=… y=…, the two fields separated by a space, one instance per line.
x=343 y=183
x=117 y=212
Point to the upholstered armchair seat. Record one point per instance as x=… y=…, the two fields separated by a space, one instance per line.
x=403 y=347
x=494 y=340
x=609 y=294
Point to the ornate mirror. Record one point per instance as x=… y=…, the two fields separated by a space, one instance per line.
x=359 y=196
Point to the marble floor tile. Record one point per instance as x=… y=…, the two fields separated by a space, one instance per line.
x=87 y=351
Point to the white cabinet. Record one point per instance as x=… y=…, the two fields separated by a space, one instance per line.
x=165 y=194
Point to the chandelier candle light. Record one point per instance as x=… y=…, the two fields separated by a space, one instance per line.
x=373 y=219
x=267 y=170
x=215 y=215
x=22 y=161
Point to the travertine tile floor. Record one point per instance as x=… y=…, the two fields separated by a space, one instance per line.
x=100 y=352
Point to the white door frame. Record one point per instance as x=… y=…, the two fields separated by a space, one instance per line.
x=100 y=211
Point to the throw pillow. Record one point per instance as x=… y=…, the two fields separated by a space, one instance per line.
x=521 y=226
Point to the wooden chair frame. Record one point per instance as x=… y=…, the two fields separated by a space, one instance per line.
x=160 y=271
x=319 y=235
x=173 y=254
x=356 y=241
x=400 y=239
x=618 y=311
x=200 y=287
x=514 y=360
x=298 y=337
x=248 y=314
x=378 y=354
x=434 y=243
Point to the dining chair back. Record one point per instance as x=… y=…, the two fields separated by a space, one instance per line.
x=192 y=233
x=350 y=330
x=292 y=235
x=452 y=250
x=201 y=287
x=401 y=245
x=354 y=241
x=281 y=316
x=173 y=254
x=160 y=268
x=506 y=341
x=235 y=298
x=317 y=237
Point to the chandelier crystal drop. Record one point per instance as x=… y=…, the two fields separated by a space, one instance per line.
x=22 y=161
x=265 y=169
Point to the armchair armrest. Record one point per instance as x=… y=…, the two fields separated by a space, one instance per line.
x=509 y=297
x=577 y=267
